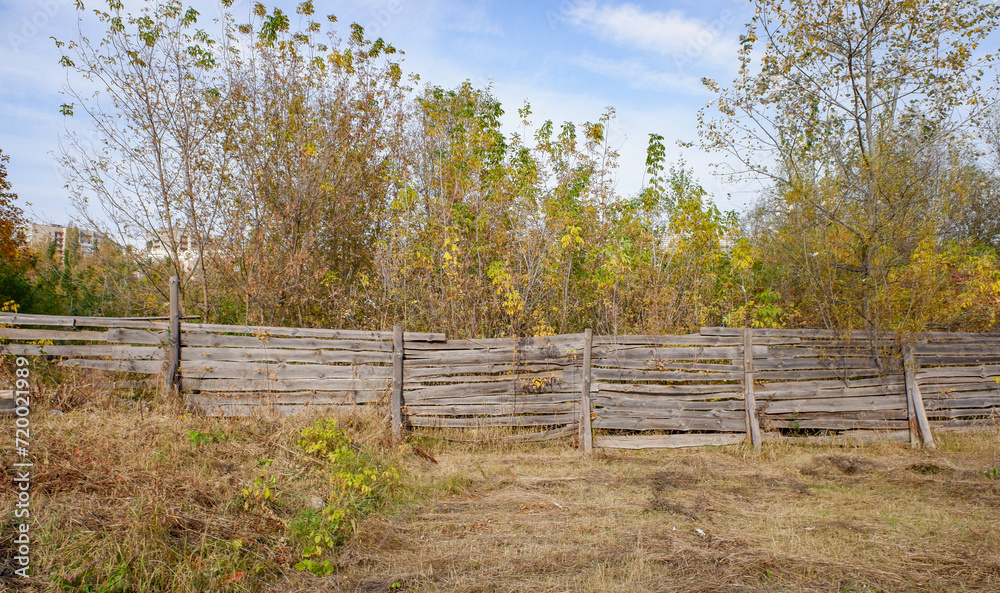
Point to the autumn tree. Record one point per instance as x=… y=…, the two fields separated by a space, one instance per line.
x=846 y=117
x=11 y=216
x=263 y=147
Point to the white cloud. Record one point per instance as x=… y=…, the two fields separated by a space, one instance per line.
x=640 y=76
x=667 y=33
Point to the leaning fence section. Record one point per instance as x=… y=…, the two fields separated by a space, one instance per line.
x=124 y=345
x=513 y=382
x=958 y=375
x=660 y=391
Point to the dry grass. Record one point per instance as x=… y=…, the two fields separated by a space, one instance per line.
x=126 y=500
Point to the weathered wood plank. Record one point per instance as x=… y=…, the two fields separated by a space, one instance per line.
x=565 y=343
x=526 y=377
x=312 y=398
x=246 y=385
x=640 y=405
x=396 y=397
x=677 y=340
x=464 y=357
x=149 y=367
x=67 y=321
x=667 y=441
x=878 y=381
x=300 y=332
x=610 y=358
x=608 y=374
x=281 y=370
x=806 y=392
x=432 y=373
x=843 y=374
x=138 y=336
x=48 y=334
x=836 y=405
x=82 y=351
x=586 y=434
x=681 y=391
x=483 y=389
x=750 y=400
x=191 y=353
x=980 y=372
x=673 y=423
x=514 y=421
x=413 y=397
x=227 y=341
x=488 y=409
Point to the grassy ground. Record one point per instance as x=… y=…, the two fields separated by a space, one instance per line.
x=136 y=497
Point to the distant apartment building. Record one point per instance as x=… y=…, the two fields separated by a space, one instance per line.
x=43 y=235
x=159 y=247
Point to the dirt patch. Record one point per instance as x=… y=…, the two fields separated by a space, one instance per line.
x=845 y=465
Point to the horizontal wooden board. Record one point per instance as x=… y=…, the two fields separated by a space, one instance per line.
x=483 y=389
x=417 y=397
x=465 y=357
x=982 y=372
x=816 y=374
x=678 y=340
x=776 y=386
x=837 y=423
x=673 y=365
x=699 y=391
x=678 y=424
x=314 y=398
x=666 y=441
x=249 y=385
x=611 y=357
x=66 y=321
x=35 y=335
x=137 y=336
x=227 y=341
x=835 y=404
x=487 y=409
x=148 y=367
x=807 y=392
x=281 y=370
x=798 y=333
x=539 y=378
x=607 y=374
x=955 y=349
x=284 y=355
x=513 y=421
x=941 y=360
x=299 y=332
x=773 y=364
x=411 y=371
x=116 y=352
x=662 y=405
x=562 y=344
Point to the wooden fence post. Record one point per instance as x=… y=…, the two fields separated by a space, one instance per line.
x=915 y=399
x=750 y=402
x=396 y=401
x=171 y=381
x=586 y=434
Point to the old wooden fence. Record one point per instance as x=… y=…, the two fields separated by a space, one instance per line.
x=718 y=386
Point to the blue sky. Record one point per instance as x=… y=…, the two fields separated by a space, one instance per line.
x=571 y=59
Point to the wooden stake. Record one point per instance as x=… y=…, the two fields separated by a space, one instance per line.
x=753 y=428
x=171 y=380
x=913 y=394
x=586 y=434
x=396 y=402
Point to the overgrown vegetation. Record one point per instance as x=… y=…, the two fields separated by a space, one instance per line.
x=317 y=185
